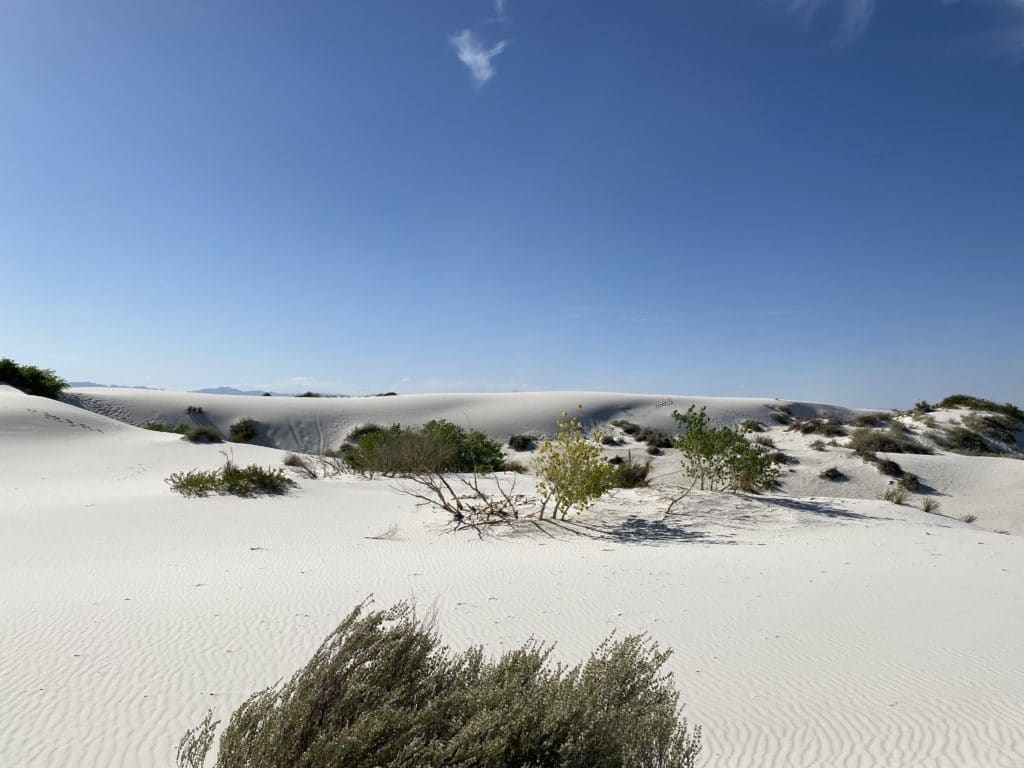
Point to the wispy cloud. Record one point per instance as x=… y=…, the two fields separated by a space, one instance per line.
x=499 y=7
x=476 y=56
x=855 y=17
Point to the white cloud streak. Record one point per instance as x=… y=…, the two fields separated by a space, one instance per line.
x=476 y=56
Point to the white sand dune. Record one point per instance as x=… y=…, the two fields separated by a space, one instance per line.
x=808 y=630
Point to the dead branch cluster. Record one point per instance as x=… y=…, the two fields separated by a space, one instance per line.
x=471 y=501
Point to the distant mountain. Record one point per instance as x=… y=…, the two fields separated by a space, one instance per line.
x=109 y=386
x=229 y=391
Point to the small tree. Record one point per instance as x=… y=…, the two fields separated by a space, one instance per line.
x=719 y=458
x=570 y=468
x=31 y=380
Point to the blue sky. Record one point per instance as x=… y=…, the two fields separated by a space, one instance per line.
x=800 y=199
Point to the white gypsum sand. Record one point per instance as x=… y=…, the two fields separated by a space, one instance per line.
x=818 y=626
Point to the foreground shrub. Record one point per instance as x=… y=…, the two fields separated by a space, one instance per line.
x=570 y=470
x=231 y=479
x=31 y=380
x=382 y=692
x=717 y=458
x=436 y=447
x=242 y=431
x=866 y=441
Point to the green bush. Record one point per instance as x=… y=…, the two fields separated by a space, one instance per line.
x=721 y=457
x=981 y=404
x=159 y=426
x=382 y=692
x=41 y=382
x=203 y=434
x=833 y=474
x=522 y=442
x=437 y=446
x=570 y=470
x=242 y=431
x=866 y=441
x=232 y=480
x=826 y=427
x=876 y=419
x=194 y=410
x=896 y=495
x=630 y=473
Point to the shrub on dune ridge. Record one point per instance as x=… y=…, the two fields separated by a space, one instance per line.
x=243 y=430
x=866 y=441
x=382 y=691
x=438 y=446
x=31 y=380
x=232 y=480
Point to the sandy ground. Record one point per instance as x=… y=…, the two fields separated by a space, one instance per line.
x=808 y=630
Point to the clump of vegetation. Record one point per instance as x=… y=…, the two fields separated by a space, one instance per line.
x=194 y=410
x=817 y=445
x=232 y=480
x=437 y=447
x=910 y=481
x=383 y=691
x=896 y=495
x=962 y=440
x=752 y=425
x=301 y=465
x=653 y=450
x=630 y=473
x=888 y=467
x=626 y=426
x=866 y=441
x=570 y=470
x=243 y=430
x=764 y=440
x=876 y=419
x=310 y=394
x=31 y=380
x=159 y=426
x=997 y=427
x=641 y=434
x=522 y=442
x=203 y=434
x=981 y=404
x=931 y=506
x=610 y=440
x=832 y=473
x=825 y=427
x=922 y=407
x=718 y=458
x=969 y=518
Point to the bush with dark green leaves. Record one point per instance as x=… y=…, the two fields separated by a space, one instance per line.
x=383 y=692
x=522 y=442
x=159 y=426
x=962 y=440
x=826 y=427
x=243 y=430
x=31 y=380
x=203 y=434
x=436 y=447
x=232 y=480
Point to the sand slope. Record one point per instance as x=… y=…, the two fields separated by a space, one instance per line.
x=809 y=631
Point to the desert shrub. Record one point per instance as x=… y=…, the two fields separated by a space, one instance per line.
x=301 y=465
x=764 y=440
x=610 y=440
x=780 y=457
x=653 y=437
x=203 y=434
x=780 y=418
x=436 y=447
x=889 y=467
x=993 y=426
x=753 y=425
x=875 y=419
x=615 y=460
x=383 y=692
x=653 y=450
x=31 y=380
x=626 y=426
x=242 y=431
x=717 y=458
x=361 y=431
x=981 y=404
x=931 y=506
x=194 y=410
x=969 y=518
x=310 y=394
x=817 y=445
x=570 y=471
x=923 y=406
x=522 y=442
x=786 y=409
x=911 y=482
x=159 y=426
x=962 y=440
x=231 y=479
x=896 y=495
x=832 y=473
x=630 y=473
x=825 y=427
x=868 y=441
x=386 y=394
